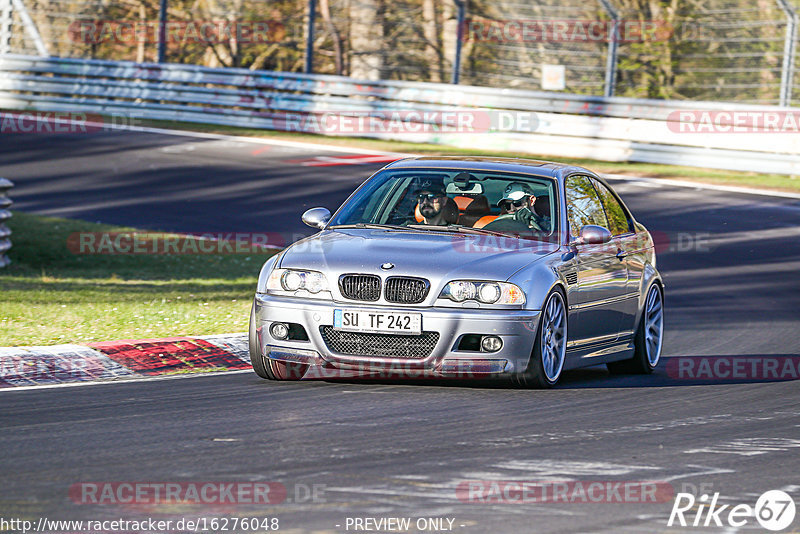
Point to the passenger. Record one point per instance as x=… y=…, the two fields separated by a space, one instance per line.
x=517 y=210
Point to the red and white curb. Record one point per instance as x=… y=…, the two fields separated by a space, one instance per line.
x=124 y=359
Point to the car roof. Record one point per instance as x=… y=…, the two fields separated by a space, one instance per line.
x=549 y=169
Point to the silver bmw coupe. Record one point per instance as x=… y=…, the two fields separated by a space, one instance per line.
x=463 y=267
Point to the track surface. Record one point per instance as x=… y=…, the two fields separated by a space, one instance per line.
x=383 y=449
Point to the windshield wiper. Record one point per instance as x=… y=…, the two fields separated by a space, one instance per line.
x=372 y=226
x=471 y=230
x=456 y=228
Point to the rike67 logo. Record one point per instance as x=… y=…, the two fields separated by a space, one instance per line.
x=774 y=510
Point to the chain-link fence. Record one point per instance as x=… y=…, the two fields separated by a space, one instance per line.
x=722 y=50
x=725 y=50
x=516 y=44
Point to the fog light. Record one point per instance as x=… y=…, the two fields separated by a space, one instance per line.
x=491 y=344
x=279 y=330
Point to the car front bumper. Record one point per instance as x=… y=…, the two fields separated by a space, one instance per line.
x=516 y=328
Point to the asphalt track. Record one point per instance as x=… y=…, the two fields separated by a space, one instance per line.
x=389 y=449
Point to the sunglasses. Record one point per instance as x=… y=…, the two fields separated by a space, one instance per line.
x=508 y=203
x=429 y=197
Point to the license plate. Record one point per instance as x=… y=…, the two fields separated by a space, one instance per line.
x=377 y=321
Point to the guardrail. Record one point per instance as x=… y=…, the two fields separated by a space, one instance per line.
x=610 y=129
x=5 y=214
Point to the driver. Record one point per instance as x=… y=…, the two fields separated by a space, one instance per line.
x=431 y=200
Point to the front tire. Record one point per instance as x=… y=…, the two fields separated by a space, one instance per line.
x=550 y=348
x=649 y=337
x=266 y=368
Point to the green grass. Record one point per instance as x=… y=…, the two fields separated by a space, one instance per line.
x=52 y=295
x=777 y=182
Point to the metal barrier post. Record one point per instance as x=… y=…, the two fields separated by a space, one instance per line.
x=312 y=13
x=162 y=31
x=30 y=27
x=611 y=59
x=462 y=15
x=789 y=50
x=5 y=214
x=6 y=21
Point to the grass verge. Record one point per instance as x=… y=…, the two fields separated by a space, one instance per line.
x=51 y=295
x=778 y=182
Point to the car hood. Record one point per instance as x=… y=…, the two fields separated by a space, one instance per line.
x=437 y=256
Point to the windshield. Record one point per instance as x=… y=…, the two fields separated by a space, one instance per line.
x=453 y=200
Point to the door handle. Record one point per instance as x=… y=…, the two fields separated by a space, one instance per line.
x=621 y=254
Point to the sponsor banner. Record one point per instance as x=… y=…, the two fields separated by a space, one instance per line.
x=570 y=492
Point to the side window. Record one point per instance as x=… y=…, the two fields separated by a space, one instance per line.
x=583 y=204
x=617 y=218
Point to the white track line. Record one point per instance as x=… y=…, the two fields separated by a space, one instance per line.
x=122 y=380
x=655 y=182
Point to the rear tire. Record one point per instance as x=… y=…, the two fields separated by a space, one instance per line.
x=550 y=348
x=649 y=337
x=266 y=368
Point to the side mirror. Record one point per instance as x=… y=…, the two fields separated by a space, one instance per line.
x=318 y=217
x=592 y=234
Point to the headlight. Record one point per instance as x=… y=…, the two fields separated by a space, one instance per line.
x=293 y=282
x=484 y=292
